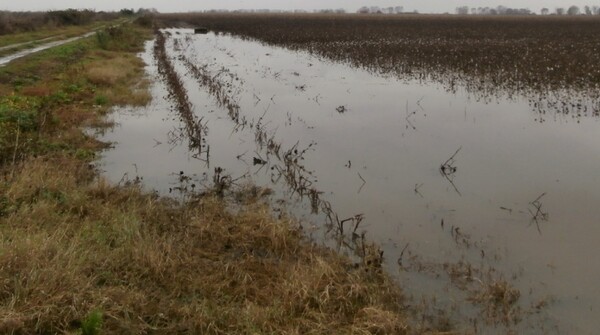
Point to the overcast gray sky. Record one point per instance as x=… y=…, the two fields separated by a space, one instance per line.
x=424 y=6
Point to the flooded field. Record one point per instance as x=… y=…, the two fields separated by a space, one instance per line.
x=485 y=207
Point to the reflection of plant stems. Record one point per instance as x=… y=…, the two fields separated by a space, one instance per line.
x=363 y=184
x=419 y=103
x=417 y=187
x=448 y=169
x=539 y=215
x=402 y=254
x=452 y=183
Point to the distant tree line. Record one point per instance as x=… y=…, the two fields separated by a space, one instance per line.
x=380 y=10
x=15 y=22
x=276 y=11
x=501 y=10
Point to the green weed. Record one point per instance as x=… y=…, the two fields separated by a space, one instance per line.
x=92 y=324
x=101 y=100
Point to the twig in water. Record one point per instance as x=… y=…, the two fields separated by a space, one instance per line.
x=316 y=99
x=419 y=103
x=256 y=99
x=417 y=187
x=357 y=219
x=408 y=123
x=452 y=183
x=447 y=169
x=363 y=180
x=402 y=254
x=408 y=115
x=448 y=166
x=539 y=214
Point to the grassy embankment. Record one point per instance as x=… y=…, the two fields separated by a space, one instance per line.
x=78 y=255
x=62 y=31
x=12 y=43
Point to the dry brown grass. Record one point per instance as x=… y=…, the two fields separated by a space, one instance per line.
x=499 y=299
x=36 y=91
x=73 y=245
x=105 y=74
x=110 y=67
x=113 y=73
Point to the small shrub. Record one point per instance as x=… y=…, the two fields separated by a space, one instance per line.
x=20 y=111
x=144 y=21
x=85 y=154
x=103 y=39
x=118 y=38
x=73 y=88
x=71 y=16
x=105 y=74
x=60 y=97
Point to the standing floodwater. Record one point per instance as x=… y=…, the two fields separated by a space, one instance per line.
x=463 y=193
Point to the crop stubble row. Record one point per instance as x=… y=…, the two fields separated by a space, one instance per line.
x=512 y=54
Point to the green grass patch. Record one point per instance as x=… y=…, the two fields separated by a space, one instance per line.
x=101 y=100
x=92 y=324
x=57 y=32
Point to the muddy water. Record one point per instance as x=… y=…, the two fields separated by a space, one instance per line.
x=377 y=147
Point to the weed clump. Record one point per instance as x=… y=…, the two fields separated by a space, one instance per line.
x=119 y=38
x=92 y=324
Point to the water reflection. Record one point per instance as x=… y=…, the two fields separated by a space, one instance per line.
x=382 y=166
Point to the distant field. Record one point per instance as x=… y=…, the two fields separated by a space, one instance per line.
x=483 y=53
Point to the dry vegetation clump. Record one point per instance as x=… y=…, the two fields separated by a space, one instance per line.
x=482 y=53
x=112 y=74
x=500 y=301
x=109 y=71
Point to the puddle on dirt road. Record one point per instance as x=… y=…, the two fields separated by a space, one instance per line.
x=375 y=146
